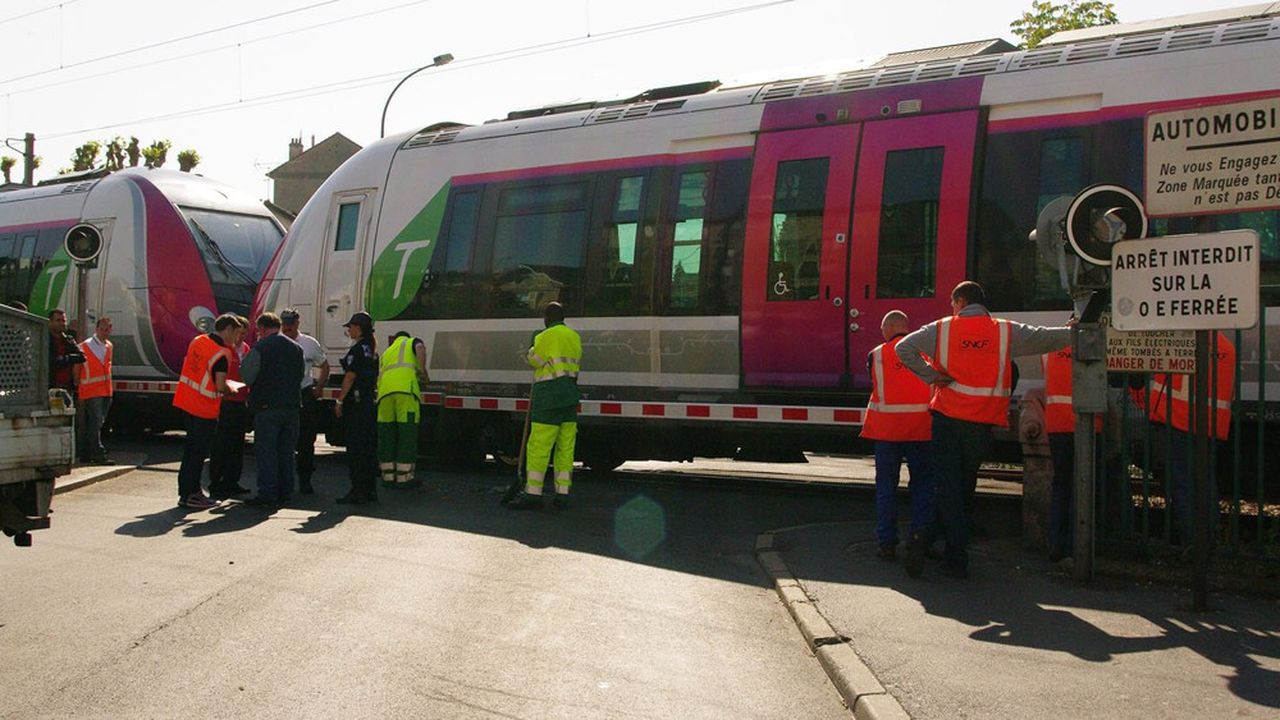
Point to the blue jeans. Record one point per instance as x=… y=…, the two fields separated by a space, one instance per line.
x=275 y=434
x=958 y=449
x=90 y=437
x=889 y=457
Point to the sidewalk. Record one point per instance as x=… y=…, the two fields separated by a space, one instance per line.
x=1019 y=639
x=84 y=475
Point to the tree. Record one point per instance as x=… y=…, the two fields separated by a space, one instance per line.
x=6 y=167
x=86 y=156
x=115 y=154
x=133 y=151
x=1045 y=19
x=156 y=153
x=188 y=159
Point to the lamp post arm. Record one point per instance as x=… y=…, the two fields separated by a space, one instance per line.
x=382 y=128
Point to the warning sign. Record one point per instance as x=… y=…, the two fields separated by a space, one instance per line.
x=1212 y=159
x=1151 y=351
x=1206 y=281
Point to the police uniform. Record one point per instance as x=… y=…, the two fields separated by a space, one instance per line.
x=398 y=412
x=359 y=415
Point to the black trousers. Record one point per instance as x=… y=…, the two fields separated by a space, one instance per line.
x=194 y=452
x=308 y=421
x=361 y=418
x=226 y=458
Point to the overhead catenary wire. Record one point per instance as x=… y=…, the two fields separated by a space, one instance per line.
x=220 y=48
x=477 y=61
x=170 y=41
x=31 y=13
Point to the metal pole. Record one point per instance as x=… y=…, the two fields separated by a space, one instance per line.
x=82 y=299
x=1200 y=495
x=1085 y=482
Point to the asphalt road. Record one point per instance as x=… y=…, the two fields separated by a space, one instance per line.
x=643 y=600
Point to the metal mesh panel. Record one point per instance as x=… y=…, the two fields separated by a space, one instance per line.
x=24 y=349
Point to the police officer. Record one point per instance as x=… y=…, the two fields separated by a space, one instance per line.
x=972 y=375
x=358 y=410
x=556 y=356
x=400 y=373
x=897 y=418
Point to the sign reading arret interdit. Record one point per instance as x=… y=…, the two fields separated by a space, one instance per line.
x=1206 y=281
x=1214 y=159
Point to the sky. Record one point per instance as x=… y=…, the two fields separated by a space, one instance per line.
x=236 y=79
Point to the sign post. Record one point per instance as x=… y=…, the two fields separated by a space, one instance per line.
x=1205 y=282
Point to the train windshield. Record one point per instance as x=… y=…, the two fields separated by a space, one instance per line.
x=236 y=250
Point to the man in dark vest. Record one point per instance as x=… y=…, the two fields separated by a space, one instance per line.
x=273 y=369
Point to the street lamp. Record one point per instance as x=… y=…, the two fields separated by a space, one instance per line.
x=437 y=61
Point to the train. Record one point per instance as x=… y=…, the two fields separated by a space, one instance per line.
x=727 y=253
x=178 y=249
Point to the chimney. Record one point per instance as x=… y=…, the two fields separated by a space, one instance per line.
x=295 y=148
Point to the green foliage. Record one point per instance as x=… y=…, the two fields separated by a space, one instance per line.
x=6 y=167
x=115 y=154
x=1046 y=18
x=86 y=156
x=156 y=153
x=188 y=159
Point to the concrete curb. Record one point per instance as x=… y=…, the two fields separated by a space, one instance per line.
x=862 y=692
x=67 y=484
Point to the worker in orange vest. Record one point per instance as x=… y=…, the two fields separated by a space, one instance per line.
x=226 y=451
x=94 y=378
x=1171 y=404
x=201 y=387
x=971 y=371
x=897 y=419
x=1060 y=425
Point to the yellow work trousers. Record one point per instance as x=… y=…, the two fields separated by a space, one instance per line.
x=542 y=438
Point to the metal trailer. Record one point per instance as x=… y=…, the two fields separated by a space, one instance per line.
x=36 y=426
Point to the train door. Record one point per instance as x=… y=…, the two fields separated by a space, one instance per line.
x=910 y=225
x=341 y=277
x=795 y=256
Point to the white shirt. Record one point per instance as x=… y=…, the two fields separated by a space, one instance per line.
x=312 y=354
x=98 y=347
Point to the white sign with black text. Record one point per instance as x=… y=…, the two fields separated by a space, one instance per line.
x=1206 y=281
x=1214 y=159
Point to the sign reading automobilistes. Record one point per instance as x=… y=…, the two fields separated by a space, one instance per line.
x=1214 y=159
x=1206 y=281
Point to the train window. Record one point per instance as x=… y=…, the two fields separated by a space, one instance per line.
x=462 y=232
x=246 y=242
x=538 y=251
x=795 y=243
x=618 y=282
x=348 y=222
x=725 y=233
x=686 y=244
x=907 y=262
x=9 y=271
x=1008 y=266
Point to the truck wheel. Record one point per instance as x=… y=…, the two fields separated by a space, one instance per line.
x=22 y=539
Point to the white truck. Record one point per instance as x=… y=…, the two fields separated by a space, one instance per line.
x=36 y=440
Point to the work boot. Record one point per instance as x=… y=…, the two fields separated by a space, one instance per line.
x=525 y=501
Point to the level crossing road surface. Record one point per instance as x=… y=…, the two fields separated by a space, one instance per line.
x=642 y=601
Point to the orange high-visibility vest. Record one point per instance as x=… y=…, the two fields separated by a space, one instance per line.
x=1059 y=412
x=197 y=392
x=94 y=375
x=898 y=410
x=974 y=351
x=1169 y=391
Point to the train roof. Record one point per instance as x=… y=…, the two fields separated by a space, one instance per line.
x=1250 y=23
x=180 y=187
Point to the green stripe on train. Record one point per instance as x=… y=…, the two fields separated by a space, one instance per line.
x=397 y=273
